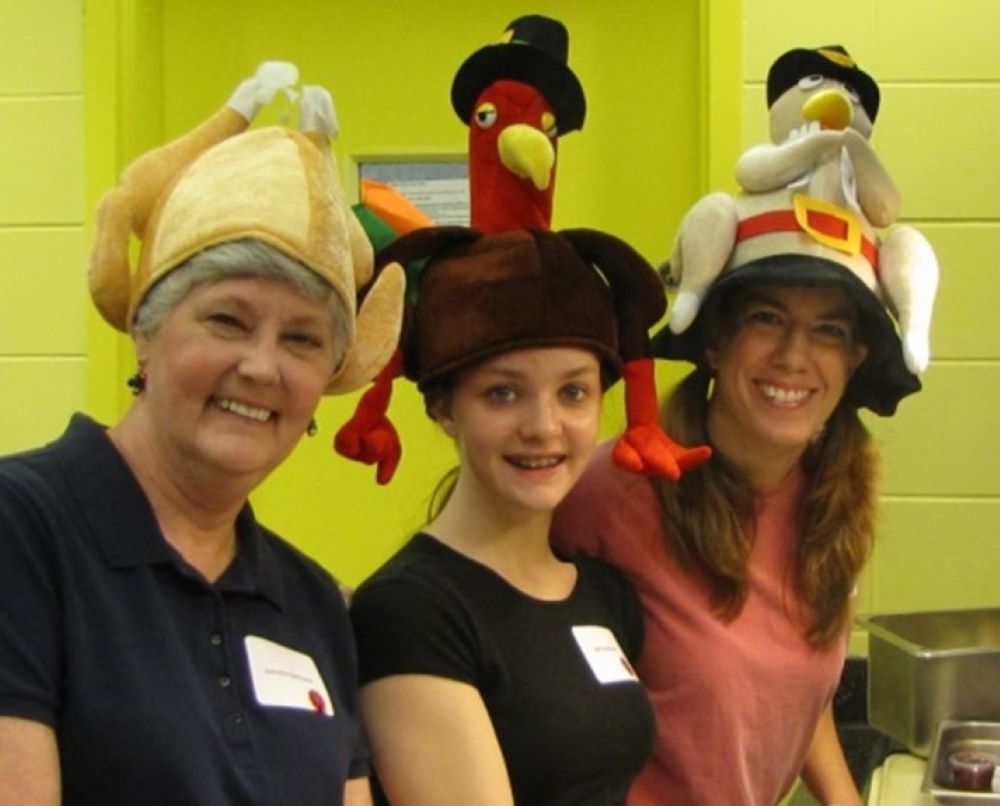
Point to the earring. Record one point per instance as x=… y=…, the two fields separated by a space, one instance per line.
x=312 y=429
x=137 y=382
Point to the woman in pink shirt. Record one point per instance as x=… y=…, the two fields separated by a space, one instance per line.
x=746 y=567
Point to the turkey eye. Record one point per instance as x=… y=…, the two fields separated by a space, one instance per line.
x=486 y=115
x=549 y=124
x=808 y=82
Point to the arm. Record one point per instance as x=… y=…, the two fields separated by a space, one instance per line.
x=768 y=167
x=433 y=743
x=877 y=193
x=825 y=770
x=358 y=792
x=29 y=763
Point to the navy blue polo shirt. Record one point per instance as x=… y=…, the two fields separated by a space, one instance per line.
x=142 y=667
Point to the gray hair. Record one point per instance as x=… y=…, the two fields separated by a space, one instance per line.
x=247 y=257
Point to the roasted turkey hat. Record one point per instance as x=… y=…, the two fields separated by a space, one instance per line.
x=881 y=381
x=534 y=51
x=479 y=295
x=221 y=183
x=832 y=61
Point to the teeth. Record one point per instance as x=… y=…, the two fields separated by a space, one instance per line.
x=234 y=406
x=535 y=463
x=784 y=396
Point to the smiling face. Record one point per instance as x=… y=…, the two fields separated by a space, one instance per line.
x=525 y=423
x=780 y=371
x=234 y=373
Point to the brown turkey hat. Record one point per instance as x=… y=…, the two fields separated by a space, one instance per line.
x=479 y=295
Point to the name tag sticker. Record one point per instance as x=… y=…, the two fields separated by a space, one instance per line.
x=602 y=651
x=286 y=678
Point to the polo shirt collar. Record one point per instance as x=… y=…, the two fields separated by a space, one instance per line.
x=125 y=528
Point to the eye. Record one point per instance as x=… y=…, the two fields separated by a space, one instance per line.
x=764 y=316
x=226 y=321
x=852 y=93
x=833 y=333
x=574 y=393
x=810 y=82
x=501 y=394
x=486 y=115
x=304 y=338
x=549 y=124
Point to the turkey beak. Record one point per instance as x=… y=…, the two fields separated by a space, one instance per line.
x=831 y=108
x=526 y=152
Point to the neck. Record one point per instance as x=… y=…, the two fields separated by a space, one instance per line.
x=513 y=544
x=763 y=468
x=196 y=516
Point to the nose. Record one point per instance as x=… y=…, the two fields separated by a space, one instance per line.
x=792 y=349
x=261 y=362
x=541 y=418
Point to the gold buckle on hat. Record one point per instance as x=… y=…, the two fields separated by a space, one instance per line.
x=827 y=223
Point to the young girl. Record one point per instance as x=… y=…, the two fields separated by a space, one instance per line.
x=494 y=671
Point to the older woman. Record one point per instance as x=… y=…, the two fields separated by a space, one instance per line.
x=157 y=644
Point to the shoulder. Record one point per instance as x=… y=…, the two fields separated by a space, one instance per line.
x=37 y=492
x=606 y=580
x=304 y=584
x=606 y=510
x=50 y=470
x=410 y=618
x=418 y=574
x=292 y=558
x=605 y=487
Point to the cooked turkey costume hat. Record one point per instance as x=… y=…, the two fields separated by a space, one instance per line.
x=220 y=183
x=807 y=215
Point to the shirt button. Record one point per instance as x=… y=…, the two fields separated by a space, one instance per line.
x=237 y=719
x=225 y=680
x=216 y=639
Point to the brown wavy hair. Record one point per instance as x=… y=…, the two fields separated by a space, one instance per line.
x=709 y=513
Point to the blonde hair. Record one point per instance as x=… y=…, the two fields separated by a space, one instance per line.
x=709 y=513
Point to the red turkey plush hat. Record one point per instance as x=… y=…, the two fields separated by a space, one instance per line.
x=534 y=50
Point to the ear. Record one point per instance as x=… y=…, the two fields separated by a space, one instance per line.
x=439 y=410
x=442 y=414
x=141 y=343
x=860 y=354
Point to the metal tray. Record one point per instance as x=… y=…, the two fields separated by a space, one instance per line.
x=924 y=667
x=954 y=736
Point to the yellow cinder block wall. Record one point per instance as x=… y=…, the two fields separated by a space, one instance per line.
x=42 y=320
x=939 y=73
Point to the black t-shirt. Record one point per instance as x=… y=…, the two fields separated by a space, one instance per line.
x=566 y=737
x=142 y=668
